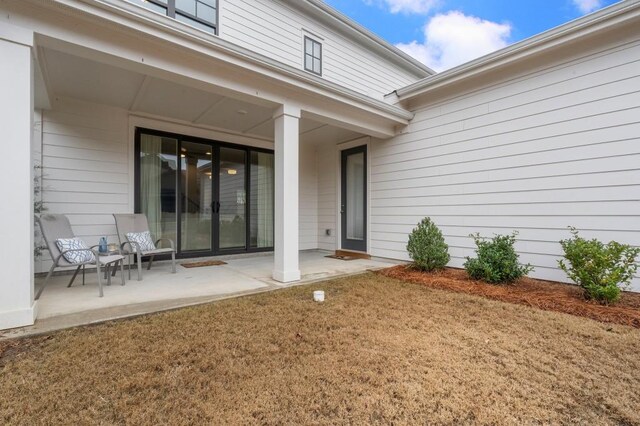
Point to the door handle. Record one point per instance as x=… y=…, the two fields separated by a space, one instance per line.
x=341 y=209
x=217 y=206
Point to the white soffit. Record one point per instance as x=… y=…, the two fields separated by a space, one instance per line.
x=234 y=114
x=168 y=99
x=325 y=134
x=307 y=125
x=74 y=77
x=70 y=76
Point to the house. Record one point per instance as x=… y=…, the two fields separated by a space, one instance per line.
x=281 y=125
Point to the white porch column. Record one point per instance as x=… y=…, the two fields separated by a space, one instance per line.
x=16 y=208
x=286 y=268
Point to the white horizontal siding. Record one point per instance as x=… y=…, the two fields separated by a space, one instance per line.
x=536 y=153
x=327 y=169
x=308 y=198
x=276 y=30
x=85 y=154
x=36 y=158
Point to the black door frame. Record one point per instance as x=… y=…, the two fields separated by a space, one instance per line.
x=346 y=243
x=215 y=191
x=215 y=146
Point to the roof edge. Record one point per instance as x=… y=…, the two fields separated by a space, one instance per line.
x=383 y=46
x=519 y=51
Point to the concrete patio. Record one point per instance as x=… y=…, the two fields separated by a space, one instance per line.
x=61 y=307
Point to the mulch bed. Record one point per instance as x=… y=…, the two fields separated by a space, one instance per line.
x=546 y=295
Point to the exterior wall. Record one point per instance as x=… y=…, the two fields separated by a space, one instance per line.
x=308 y=197
x=276 y=30
x=555 y=147
x=327 y=196
x=85 y=157
x=36 y=161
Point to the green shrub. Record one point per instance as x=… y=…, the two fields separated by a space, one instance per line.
x=497 y=260
x=602 y=270
x=427 y=248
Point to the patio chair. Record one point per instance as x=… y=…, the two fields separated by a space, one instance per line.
x=129 y=225
x=55 y=227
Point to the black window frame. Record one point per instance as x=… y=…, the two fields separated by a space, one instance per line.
x=170 y=6
x=215 y=145
x=314 y=42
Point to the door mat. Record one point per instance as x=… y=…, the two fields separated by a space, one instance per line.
x=204 y=263
x=341 y=257
x=356 y=254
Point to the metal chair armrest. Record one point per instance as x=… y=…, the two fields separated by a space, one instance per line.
x=166 y=239
x=135 y=247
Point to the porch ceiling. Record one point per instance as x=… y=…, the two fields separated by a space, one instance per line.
x=70 y=76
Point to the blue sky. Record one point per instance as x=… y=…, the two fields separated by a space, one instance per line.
x=445 y=33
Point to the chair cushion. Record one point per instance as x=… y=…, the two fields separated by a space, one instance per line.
x=143 y=239
x=75 y=257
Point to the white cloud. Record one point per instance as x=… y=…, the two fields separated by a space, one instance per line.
x=587 y=6
x=454 y=38
x=420 y=7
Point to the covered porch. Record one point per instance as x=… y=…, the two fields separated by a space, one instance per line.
x=215 y=172
x=91 y=92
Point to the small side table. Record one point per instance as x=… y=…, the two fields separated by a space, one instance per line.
x=108 y=273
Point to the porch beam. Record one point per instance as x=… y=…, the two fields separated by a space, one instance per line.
x=286 y=263
x=16 y=210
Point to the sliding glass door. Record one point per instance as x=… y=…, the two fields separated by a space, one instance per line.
x=261 y=203
x=208 y=197
x=196 y=197
x=232 y=214
x=157 y=178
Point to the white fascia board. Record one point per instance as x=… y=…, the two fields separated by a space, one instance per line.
x=136 y=18
x=42 y=94
x=16 y=34
x=323 y=12
x=25 y=37
x=606 y=18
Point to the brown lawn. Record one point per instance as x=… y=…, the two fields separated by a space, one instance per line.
x=378 y=351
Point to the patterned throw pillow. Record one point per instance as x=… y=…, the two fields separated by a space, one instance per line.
x=143 y=239
x=75 y=257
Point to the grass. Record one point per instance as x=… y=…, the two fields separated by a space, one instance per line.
x=378 y=351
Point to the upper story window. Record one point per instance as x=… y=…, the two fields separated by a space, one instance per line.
x=312 y=56
x=202 y=14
